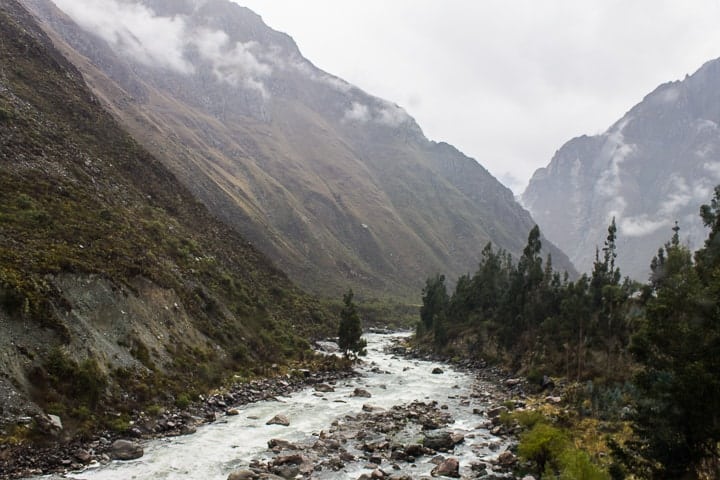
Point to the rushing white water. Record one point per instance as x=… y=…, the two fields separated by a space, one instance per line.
x=231 y=443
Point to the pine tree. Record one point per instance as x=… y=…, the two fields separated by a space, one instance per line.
x=677 y=415
x=350 y=329
x=435 y=302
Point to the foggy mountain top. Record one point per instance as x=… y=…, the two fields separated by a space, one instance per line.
x=184 y=37
x=506 y=82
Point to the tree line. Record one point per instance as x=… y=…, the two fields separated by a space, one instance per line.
x=662 y=336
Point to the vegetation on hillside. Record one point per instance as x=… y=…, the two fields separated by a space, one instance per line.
x=80 y=199
x=651 y=351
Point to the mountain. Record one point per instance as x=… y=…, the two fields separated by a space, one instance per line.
x=654 y=166
x=117 y=287
x=336 y=186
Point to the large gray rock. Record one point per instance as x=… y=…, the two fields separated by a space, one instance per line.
x=361 y=392
x=450 y=467
x=439 y=440
x=126 y=450
x=279 y=420
x=242 y=475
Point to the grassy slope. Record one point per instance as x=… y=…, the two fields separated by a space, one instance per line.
x=79 y=197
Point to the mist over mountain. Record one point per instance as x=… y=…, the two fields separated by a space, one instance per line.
x=654 y=166
x=340 y=188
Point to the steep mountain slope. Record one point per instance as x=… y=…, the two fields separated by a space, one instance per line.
x=338 y=187
x=115 y=283
x=654 y=166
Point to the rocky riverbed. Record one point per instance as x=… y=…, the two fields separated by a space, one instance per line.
x=397 y=417
x=60 y=457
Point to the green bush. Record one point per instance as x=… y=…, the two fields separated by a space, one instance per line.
x=182 y=400
x=543 y=445
x=576 y=465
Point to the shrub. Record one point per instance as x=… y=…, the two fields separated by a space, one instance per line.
x=542 y=445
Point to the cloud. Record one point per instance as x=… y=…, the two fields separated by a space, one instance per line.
x=133 y=29
x=640 y=226
x=391 y=115
x=713 y=168
x=680 y=196
x=357 y=113
x=616 y=151
x=234 y=64
x=136 y=31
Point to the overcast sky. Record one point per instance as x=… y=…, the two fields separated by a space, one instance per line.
x=506 y=81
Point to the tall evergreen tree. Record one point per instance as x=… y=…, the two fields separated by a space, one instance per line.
x=677 y=419
x=350 y=329
x=435 y=302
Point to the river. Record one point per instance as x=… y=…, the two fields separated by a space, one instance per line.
x=233 y=442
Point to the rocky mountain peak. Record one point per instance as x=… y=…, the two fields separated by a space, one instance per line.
x=654 y=166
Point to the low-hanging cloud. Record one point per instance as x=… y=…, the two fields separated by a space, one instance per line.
x=138 y=32
x=235 y=64
x=385 y=113
x=358 y=113
x=616 y=151
x=641 y=225
x=133 y=29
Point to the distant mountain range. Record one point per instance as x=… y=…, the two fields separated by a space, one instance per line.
x=654 y=166
x=338 y=187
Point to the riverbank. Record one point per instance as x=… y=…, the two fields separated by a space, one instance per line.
x=53 y=456
x=383 y=420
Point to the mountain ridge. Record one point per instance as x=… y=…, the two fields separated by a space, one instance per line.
x=652 y=167
x=338 y=187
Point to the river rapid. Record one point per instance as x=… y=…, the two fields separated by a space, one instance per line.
x=233 y=442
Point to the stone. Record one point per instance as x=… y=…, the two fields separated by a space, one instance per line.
x=414 y=450
x=83 y=456
x=437 y=371
x=438 y=440
x=291 y=459
x=506 y=459
x=279 y=420
x=126 y=450
x=496 y=411
x=450 y=467
x=511 y=382
x=553 y=399
x=371 y=408
x=324 y=387
x=242 y=475
x=232 y=412
x=55 y=422
x=280 y=444
x=361 y=392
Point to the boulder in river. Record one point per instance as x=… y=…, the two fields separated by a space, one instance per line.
x=361 y=392
x=126 y=450
x=242 y=475
x=439 y=440
x=506 y=459
x=279 y=420
x=280 y=444
x=449 y=467
x=324 y=387
x=437 y=370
